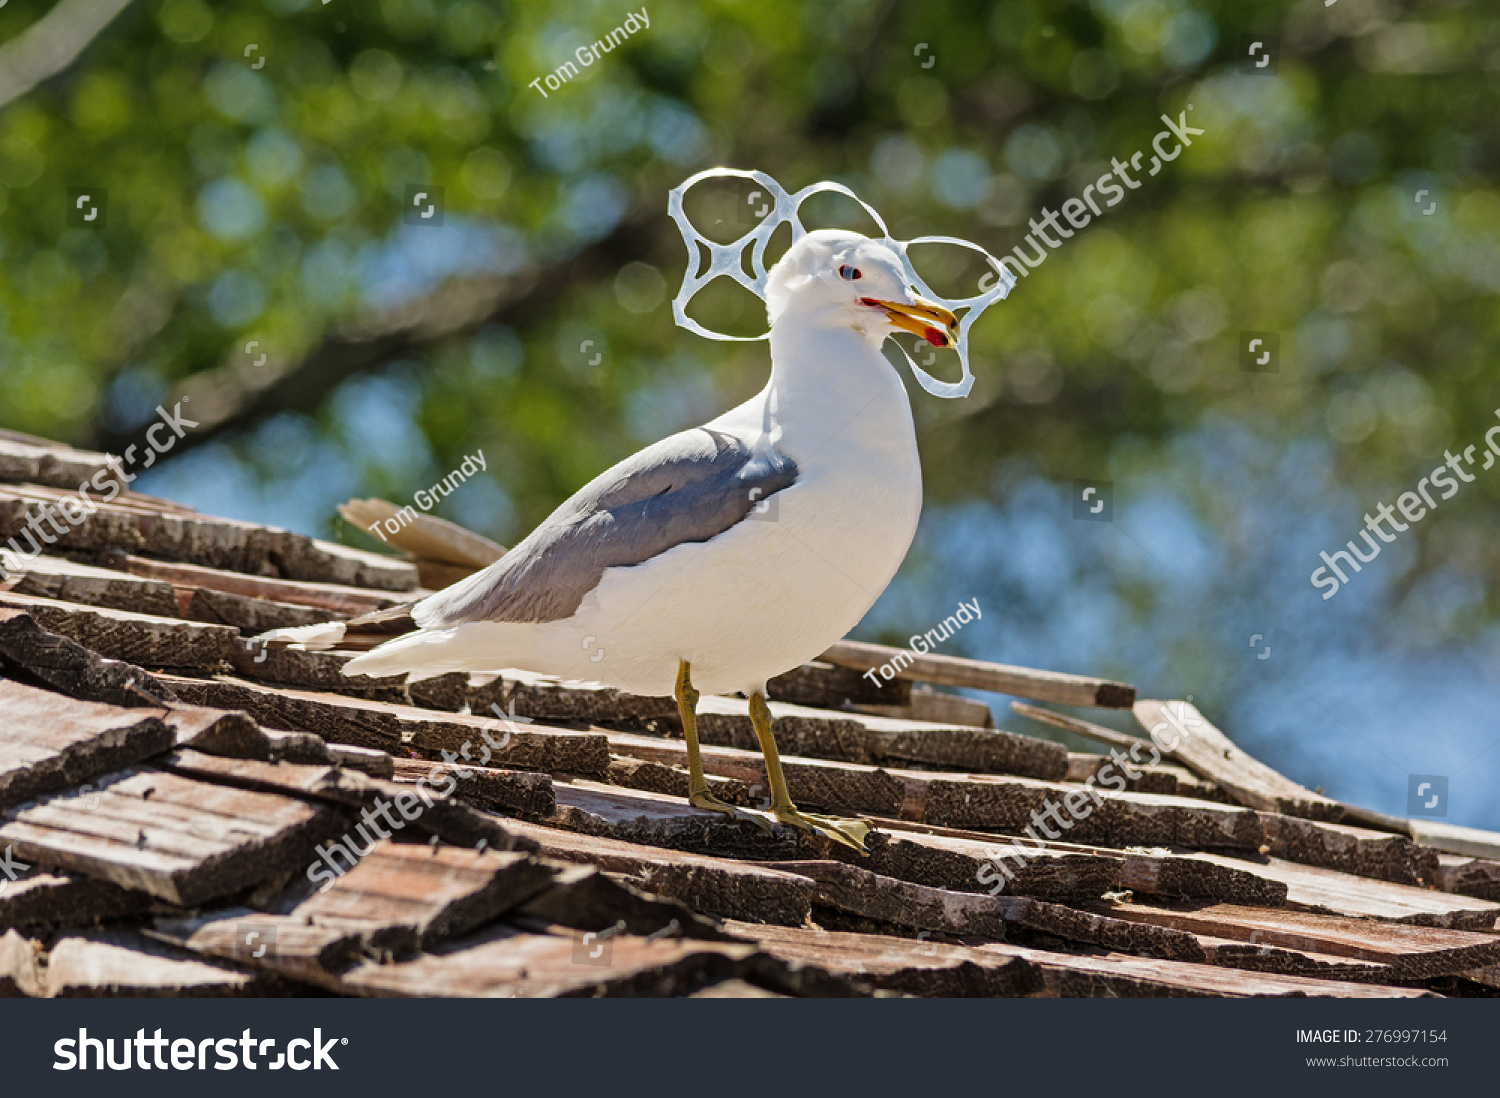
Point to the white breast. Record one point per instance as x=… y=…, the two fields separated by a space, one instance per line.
x=779 y=587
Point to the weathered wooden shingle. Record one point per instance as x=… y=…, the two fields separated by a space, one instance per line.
x=428 y=810
x=180 y=840
x=401 y=897
x=513 y=964
x=402 y=729
x=108 y=964
x=1411 y=952
x=141 y=639
x=50 y=742
x=66 y=666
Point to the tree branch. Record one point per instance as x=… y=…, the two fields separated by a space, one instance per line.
x=239 y=394
x=52 y=43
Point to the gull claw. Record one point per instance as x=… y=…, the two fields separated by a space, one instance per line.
x=764 y=820
x=850 y=833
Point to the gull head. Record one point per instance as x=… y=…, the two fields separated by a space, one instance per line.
x=834 y=277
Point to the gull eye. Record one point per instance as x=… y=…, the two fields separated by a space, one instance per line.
x=849 y=273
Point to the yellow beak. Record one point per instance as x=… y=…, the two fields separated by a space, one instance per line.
x=932 y=322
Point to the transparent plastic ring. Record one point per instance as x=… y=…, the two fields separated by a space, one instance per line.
x=728 y=260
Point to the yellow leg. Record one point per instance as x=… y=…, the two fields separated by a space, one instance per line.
x=698 y=794
x=849 y=832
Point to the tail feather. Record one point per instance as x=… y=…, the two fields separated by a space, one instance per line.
x=310 y=638
x=475 y=647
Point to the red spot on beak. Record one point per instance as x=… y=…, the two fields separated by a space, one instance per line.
x=935 y=337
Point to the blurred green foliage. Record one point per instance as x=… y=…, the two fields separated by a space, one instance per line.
x=257 y=155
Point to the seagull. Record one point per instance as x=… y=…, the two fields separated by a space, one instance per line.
x=728 y=554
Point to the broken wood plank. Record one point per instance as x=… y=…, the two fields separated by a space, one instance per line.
x=964 y=864
x=108 y=964
x=1188 y=877
x=401 y=729
x=504 y=962
x=862 y=738
x=820 y=685
x=1328 y=891
x=427 y=807
x=971 y=861
x=815 y=783
x=69 y=667
x=1478 y=877
x=402 y=897
x=64 y=581
x=50 y=742
x=536 y=697
x=443 y=552
x=1099 y=818
x=710 y=885
x=20 y=973
x=315 y=561
x=1021 y=682
x=180 y=840
x=929 y=705
x=141 y=639
x=511 y=792
x=1446 y=838
x=1355 y=850
x=339 y=601
x=1282 y=961
x=28 y=460
x=422 y=536
x=1061 y=974
x=251 y=616
x=129 y=524
x=1456 y=840
x=899 y=964
x=216 y=732
x=48 y=900
x=1116 y=976
x=675 y=781
x=280 y=943
x=1206 y=751
x=858 y=891
x=377 y=764
x=1167 y=778
x=1088 y=729
x=1411 y=952
x=654 y=820
x=584 y=897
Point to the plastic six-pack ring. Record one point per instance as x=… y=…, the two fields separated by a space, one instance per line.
x=727 y=259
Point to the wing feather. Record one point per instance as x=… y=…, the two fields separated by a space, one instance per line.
x=686 y=488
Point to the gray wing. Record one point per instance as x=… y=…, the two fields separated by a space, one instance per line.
x=686 y=488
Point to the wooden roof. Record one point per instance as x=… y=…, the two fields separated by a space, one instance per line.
x=173 y=795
